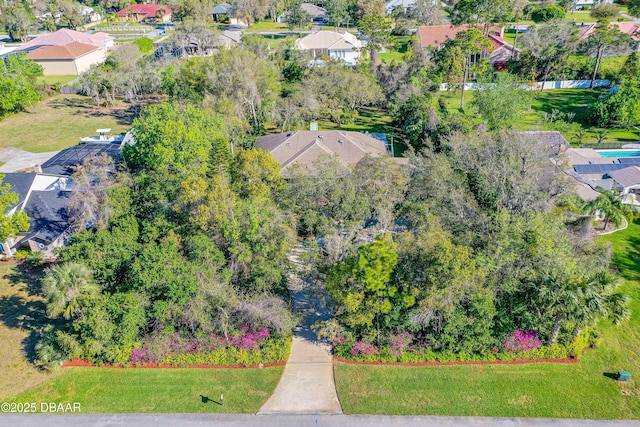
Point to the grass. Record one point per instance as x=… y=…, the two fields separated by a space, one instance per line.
x=22 y=313
x=60 y=122
x=57 y=80
x=580 y=390
x=576 y=101
x=104 y=390
x=269 y=26
x=396 y=51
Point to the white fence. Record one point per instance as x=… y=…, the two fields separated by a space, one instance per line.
x=557 y=84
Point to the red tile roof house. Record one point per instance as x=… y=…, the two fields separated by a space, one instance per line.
x=146 y=13
x=435 y=35
x=630 y=28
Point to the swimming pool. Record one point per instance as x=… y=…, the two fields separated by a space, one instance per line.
x=619 y=153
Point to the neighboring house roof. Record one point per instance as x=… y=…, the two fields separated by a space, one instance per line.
x=330 y=40
x=146 y=9
x=70 y=51
x=64 y=37
x=436 y=35
x=47 y=211
x=313 y=10
x=602 y=169
x=234 y=37
x=304 y=147
x=629 y=28
x=551 y=138
x=20 y=183
x=626 y=177
x=221 y=9
x=63 y=163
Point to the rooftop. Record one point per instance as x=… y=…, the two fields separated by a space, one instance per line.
x=626 y=177
x=329 y=40
x=63 y=163
x=64 y=37
x=69 y=51
x=146 y=9
x=47 y=211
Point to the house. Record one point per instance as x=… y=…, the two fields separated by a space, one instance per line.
x=152 y=13
x=331 y=45
x=317 y=13
x=221 y=12
x=434 y=36
x=579 y=4
x=67 y=52
x=304 y=147
x=65 y=36
x=390 y=5
x=627 y=180
x=72 y=59
x=44 y=199
x=630 y=28
x=44 y=196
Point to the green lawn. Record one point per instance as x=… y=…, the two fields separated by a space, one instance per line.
x=581 y=390
x=102 y=390
x=269 y=26
x=575 y=101
x=60 y=122
x=62 y=80
x=396 y=50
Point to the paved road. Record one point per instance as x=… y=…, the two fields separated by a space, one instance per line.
x=201 y=420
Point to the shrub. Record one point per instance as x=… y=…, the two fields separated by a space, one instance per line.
x=521 y=341
x=145 y=44
x=399 y=343
x=364 y=349
x=547 y=13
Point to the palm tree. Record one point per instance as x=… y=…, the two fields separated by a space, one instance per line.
x=65 y=286
x=609 y=203
x=599 y=300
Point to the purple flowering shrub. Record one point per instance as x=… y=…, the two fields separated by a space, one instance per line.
x=399 y=343
x=363 y=349
x=522 y=341
x=156 y=348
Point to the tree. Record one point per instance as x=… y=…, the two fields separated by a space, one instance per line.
x=195 y=36
x=65 y=287
x=366 y=8
x=338 y=10
x=547 y=13
x=549 y=43
x=70 y=13
x=297 y=17
x=10 y=225
x=17 y=20
x=429 y=12
x=609 y=203
x=606 y=40
x=634 y=7
x=88 y=201
x=621 y=107
x=377 y=29
x=604 y=11
x=249 y=11
x=502 y=100
x=18 y=79
x=455 y=57
x=480 y=12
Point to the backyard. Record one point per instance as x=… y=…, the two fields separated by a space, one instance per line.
x=579 y=390
x=61 y=121
x=574 y=101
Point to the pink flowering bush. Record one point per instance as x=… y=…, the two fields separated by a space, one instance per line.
x=158 y=348
x=399 y=343
x=522 y=341
x=364 y=349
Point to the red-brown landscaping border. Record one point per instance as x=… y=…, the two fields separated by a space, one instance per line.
x=86 y=364
x=484 y=362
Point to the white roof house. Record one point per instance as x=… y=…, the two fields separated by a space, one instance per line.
x=331 y=45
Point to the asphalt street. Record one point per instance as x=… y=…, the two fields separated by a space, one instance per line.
x=200 y=420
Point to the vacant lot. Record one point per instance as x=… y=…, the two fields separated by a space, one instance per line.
x=100 y=390
x=22 y=313
x=60 y=122
x=581 y=390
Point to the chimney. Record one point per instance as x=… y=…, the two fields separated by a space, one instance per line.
x=502 y=32
x=37 y=169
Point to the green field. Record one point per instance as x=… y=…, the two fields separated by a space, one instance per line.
x=575 y=101
x=580 y=390
x=60 y=122
x=102 y=390
x=57 y=80
x=396 y=50
x=269 y=26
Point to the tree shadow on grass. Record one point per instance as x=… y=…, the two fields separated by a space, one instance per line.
x=612 y=375
x=205 y=399
x=69 y=102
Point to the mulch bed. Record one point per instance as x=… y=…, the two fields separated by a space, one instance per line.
x=495 y=362
x=85 y=364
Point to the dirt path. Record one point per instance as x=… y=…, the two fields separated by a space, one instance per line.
x=307 y=385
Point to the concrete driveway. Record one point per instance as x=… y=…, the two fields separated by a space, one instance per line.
x=15 y=159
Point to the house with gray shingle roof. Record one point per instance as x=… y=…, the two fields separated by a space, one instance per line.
x=331 y=45
x=626 y=180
